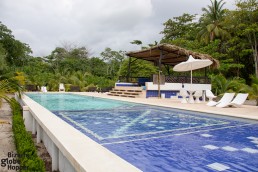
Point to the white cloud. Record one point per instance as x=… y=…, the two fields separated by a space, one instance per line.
x=97 y=24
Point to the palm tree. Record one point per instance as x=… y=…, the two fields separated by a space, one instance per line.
x=254 y=93
x=212 y=22
x=59 y=76
x=221 y=85
x=8 y=86
x=79 y=78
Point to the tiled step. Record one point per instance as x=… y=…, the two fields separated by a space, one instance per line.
x=131 y=93
x=126 y=92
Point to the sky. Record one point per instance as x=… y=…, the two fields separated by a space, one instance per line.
x=95 y=24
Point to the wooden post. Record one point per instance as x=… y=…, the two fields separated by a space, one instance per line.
x=160 y=58
x=128 y=70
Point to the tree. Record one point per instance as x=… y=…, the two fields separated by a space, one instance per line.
x=222 y=85
x=81 y=53
x=154 y=44
x=247 y=17
x=137 y=42
x=16 y=51
x=70 y=58
x=56 y=78
x=79 y=78
x=114 y=60
x=182 y=27
x=3 y=64
x=98 y=66
x=140 y=68
x=212 y=22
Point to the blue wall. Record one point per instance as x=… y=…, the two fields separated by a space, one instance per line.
x=154 y=93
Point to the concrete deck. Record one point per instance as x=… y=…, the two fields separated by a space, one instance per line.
x=246 y=111
x=7 y=145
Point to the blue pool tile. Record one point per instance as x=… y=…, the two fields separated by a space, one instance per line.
x=218 y=166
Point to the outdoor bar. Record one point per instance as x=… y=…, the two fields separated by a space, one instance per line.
x=160 y=85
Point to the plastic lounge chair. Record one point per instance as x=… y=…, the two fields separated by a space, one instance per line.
x=197 y=96
x=61 y=87
x=184 y=94
x=210 y=95
x=44 y=89
x=227 y=98
x=237 y=102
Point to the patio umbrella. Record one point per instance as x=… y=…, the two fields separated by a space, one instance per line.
x=192 y=64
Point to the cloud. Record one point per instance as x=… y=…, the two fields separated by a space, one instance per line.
x=96 y=24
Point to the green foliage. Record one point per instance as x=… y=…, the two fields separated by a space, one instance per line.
x=139 y=68
x=246 y=27
x=100 y=82
x=3 y=64
x=212 y=22
x=253 y=94
x=253 y=90
x=254 y=79
x=137 y=42
x=113 y=60
x=79 y=78
x=8 y=86
x=55 y=79
x=214 y=11
x=29 y=159
x=16 y=51
x=97 y=66
x=222 y=85
x=180 y=27
x=236 y=52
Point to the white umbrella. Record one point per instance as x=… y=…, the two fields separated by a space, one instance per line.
x=192 y=64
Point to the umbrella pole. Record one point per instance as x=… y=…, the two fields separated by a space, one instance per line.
x=159 y=85
x=191 y=77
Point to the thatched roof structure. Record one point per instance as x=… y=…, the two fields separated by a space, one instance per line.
x=171 y=55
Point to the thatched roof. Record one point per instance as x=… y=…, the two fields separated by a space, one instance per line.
x=171 y=55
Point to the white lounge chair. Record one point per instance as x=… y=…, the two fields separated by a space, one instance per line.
x=237 y=102
x=210 y=95
x=61 y=87
x=227 y=98
x=197 y=96
x=44 y=89
x=184 y=94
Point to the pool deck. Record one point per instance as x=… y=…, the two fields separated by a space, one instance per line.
x=246 y=111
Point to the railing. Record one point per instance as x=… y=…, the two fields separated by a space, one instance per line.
x=187 y=79
x=168 y=79
x=140 y=80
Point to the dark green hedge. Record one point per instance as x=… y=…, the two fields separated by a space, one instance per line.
x=29 y=160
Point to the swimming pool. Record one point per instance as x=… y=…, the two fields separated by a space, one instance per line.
x=57 y=102
x=161 y=139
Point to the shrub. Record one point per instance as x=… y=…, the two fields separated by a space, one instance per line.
x=29 y=160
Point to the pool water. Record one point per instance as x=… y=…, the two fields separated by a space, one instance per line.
x=158 y=139
x=57 y=102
